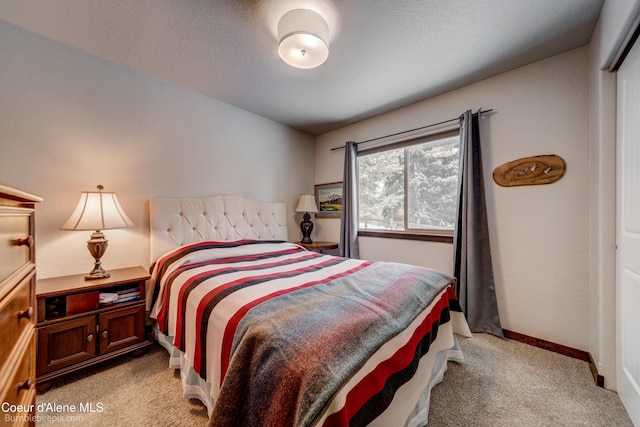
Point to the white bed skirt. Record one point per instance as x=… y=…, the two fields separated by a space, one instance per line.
x=410 y=406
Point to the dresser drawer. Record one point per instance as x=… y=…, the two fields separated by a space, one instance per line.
x=15 y=240
x=16 y=317
x=20 y=390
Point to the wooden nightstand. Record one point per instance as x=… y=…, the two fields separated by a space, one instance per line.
x=84 y=322
x=318 y=246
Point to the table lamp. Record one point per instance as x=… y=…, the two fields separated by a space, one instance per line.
x=97 y=210
x=306 y=204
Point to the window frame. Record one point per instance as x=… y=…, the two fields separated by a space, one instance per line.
x=425 y=234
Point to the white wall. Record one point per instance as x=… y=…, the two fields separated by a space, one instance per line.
x=539 y=233
x=70 y=121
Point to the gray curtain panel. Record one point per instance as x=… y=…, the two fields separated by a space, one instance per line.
x=471 y=249
x=349 y=219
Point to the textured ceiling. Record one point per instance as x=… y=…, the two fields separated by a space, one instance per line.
x=383 y=54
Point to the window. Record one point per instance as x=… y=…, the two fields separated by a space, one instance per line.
x=410 y=187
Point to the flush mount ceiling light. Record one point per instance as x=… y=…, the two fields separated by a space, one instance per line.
x=303 y=38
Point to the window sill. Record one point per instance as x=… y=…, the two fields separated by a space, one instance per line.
x=406 y=236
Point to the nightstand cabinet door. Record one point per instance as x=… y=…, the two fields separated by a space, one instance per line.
x=122 y=328
x=66 y=343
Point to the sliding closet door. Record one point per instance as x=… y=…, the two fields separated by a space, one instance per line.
x=628 y=234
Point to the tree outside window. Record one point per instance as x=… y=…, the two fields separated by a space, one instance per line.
x=410 y=188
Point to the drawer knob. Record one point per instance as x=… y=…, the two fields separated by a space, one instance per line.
x=26 y=385
x=28 y=241
x=89 y=337
x=105 y=334
x=25 y=313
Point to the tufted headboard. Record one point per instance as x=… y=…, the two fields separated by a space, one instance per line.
x=176 y=222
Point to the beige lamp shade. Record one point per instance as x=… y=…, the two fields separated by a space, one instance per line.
x=97 y=210
x=307 y=203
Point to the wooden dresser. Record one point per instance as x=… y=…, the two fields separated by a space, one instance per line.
x=17 y=307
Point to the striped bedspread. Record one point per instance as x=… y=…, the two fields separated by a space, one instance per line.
x=277 y=330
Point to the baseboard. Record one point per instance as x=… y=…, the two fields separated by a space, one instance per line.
x=599 y=379
x=560 y=349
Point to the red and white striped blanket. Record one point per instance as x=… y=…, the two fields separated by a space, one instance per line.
x=277 y=330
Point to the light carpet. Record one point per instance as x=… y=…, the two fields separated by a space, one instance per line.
x=501 y=383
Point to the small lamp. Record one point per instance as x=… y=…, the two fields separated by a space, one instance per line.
x=306 y=204
x=97 y=210
x=303 y=38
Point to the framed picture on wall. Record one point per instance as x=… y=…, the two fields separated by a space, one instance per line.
x=329 y=200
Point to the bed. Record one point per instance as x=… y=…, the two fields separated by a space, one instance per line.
x=265 y=332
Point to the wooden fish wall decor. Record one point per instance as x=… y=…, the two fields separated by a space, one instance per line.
x=530 y=171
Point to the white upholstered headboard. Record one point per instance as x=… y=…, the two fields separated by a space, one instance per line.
x=176 y=222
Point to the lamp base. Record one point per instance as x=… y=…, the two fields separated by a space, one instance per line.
x=97 y=246
x=306 y=226
x=97 y=274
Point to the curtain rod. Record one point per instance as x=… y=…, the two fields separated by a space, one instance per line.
x=410 y=130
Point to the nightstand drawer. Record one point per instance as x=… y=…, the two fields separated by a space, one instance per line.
x=16 y=316
x=83 y=302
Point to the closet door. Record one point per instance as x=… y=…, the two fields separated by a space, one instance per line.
x=628 y=234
